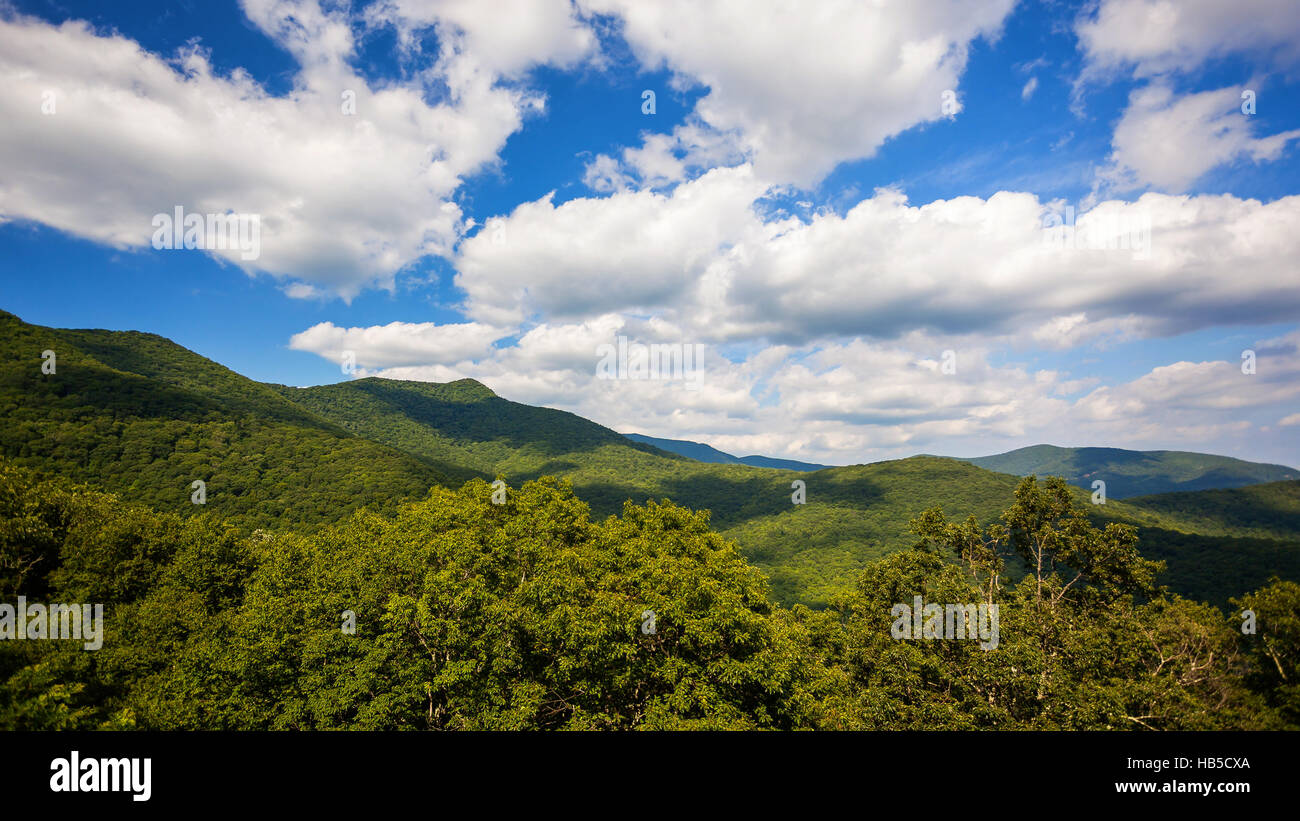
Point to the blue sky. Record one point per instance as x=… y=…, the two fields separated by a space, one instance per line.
x=800 y=201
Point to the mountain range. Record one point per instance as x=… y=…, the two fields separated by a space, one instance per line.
x=705 y=453
x=1135 y=472
x=138 y=415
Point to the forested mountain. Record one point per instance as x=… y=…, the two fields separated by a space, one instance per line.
x=811 y=551
x=1135 y=472
x=371 y=498
x=780 y=464
x=1267 y=511
x=701 y=452
x=138 y=415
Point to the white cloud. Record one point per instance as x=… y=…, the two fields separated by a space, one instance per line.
x=603 y=175
x=1170 y=141
x=800 y=90
x=344 y=201
x=399 y=343
x=703 y=258
x=1028 y=90
x=503 y=38
x=590 y=256
x=1163 y=36
x=1195 y=402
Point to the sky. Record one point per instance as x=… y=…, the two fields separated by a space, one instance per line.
x=887 y=228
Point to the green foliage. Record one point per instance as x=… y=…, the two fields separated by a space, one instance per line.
x=1273 y=650
x=138 y=415
x=1081 y=646
x=811 y=552
x=530 y=615
x=1267 y=511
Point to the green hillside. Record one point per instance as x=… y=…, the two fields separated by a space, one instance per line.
x=1133 y=472
x=1220 y=541
x=464 y=423
x=457 y=613
x=139 y=415
x=857 y=514
x=1267 y=511
x=813 y=551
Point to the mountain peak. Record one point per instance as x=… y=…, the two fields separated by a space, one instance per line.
x=471 y=389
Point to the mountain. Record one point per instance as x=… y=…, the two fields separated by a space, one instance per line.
x=781 y=464
x=705 y=453
x=1267 y=511
x=460 y=614
x=1134 y=472
x=465 y=423
x=812 y=552
x=698 y=451
x=138 y=415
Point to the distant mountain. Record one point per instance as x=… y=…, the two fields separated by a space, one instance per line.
x=701 y=452
x=1135 y=472
x=781 y=464
x=698 y=451
x=1216 y=541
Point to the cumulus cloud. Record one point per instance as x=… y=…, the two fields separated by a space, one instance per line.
x=1163 y=36
x=799 y=91
x=704 y=258
x=504 y=38
x=1169 y=141
x=604 y=175
x=1195 y=402
x=345 y=201
x=595 y=255
x=398 y=343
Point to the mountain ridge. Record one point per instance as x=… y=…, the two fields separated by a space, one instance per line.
x=281 y=457
x=707 y=453
x=1135 y=472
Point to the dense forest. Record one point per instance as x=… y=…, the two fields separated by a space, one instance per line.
x=458 y=613
x=138 y=415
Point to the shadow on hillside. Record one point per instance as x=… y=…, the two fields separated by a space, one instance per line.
x=1214 y=568
x=730 y=499
x=552 y=432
